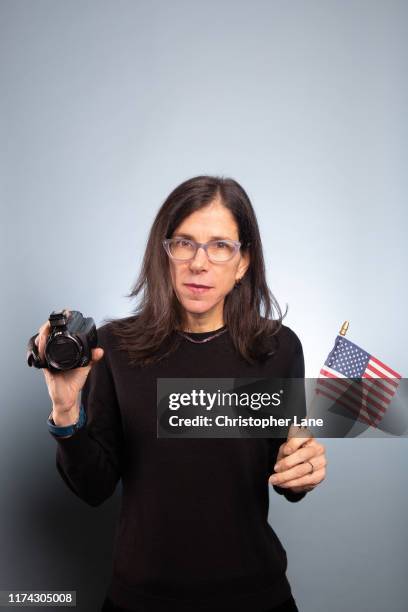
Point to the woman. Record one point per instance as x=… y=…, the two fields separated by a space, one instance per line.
x=193 y=533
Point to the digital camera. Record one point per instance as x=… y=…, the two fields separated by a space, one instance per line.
x=68 y=345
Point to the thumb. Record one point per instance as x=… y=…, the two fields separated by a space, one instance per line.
x=288 y=448
x=97 y=354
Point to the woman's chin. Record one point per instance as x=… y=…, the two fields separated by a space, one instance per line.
x=196 y=305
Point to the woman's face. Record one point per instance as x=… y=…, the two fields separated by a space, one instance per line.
x=214 y=220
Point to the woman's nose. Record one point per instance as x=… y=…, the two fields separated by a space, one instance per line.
x=200 y=259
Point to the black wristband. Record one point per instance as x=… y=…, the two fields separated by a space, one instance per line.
x=67 y=430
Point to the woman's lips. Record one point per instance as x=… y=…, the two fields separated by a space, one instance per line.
x=197 y=288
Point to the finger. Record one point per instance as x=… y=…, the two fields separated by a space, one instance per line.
x=299 y=432
x=306 y=451
x=309 y=480
x=280 y=452
x=299 y=470
x=297 y=437
x=309 y=442
x=44 y=328
x=299 y=456
x=43 y=331
x=304 y=489
x=42 y=340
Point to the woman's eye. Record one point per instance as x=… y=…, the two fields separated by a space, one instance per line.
x=221 y=244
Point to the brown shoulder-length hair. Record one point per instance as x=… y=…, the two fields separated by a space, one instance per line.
x=251 y=312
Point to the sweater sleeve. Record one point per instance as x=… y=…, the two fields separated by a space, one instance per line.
x=90 y=461
x=296 y=370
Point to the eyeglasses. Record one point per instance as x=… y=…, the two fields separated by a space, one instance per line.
x=218 y=251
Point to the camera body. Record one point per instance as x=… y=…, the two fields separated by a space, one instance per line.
x=69 y=343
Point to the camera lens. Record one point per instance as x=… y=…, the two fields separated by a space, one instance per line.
x=63 y=353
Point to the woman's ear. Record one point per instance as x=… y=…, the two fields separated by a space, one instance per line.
x=243 y=265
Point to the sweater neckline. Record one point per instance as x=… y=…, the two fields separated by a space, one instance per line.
x=202 y=335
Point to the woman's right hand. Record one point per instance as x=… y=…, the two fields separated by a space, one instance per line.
x=64 y=387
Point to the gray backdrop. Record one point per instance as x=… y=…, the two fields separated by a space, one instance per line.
x=105 y=108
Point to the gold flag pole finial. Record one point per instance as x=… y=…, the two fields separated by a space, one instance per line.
x=344 y=328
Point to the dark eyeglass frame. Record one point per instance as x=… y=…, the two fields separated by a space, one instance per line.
x=167 y=242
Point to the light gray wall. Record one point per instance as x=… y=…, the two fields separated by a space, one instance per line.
x=105 y=108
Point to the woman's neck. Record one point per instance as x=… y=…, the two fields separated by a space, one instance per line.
x=196 y=325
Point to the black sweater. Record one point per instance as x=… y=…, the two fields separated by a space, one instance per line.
x=193 y=533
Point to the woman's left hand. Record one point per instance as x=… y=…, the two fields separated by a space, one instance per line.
x=292 y=469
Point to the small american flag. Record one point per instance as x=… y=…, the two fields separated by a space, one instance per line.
x=367 y=398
